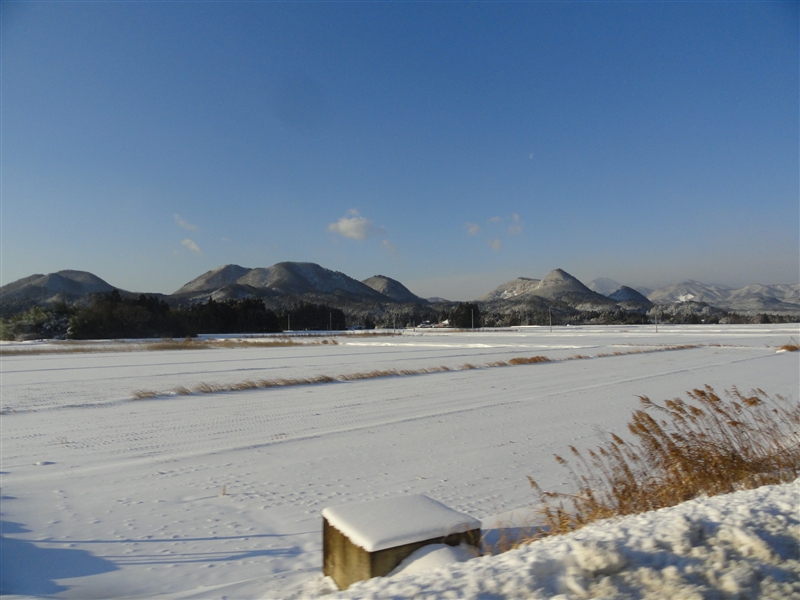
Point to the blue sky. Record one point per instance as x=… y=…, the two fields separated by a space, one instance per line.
x=452 y=146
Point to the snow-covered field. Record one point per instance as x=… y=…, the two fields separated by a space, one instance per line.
x=220 y=495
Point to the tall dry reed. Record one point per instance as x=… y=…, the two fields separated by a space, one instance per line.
x=681 y=449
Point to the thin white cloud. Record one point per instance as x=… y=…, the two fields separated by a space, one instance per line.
x=184 y=224
x=516 y=226
x=495 y=220
x=389 y=246
x=190 y=245
x=354 y=227
x=496 y=245
x=472 y=228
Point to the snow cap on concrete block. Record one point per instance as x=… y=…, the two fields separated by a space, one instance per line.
x=379 y=524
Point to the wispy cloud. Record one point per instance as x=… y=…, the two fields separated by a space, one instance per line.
x=184 y=224
x=190 y=245
x=496 y=229
x=389 y=246
x=354 y=226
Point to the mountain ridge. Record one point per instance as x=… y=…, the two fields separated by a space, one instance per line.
x=309 y=281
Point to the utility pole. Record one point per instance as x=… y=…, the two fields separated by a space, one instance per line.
x=472 y=312
x=330 y=322
x=550 y=313
x=289 y=322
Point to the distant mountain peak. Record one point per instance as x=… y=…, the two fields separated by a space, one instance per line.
x=557 y=285
x=627 y=294
x=561 y=279
x=604 y=285
x=392 y=288
x=67 y=285
x=214 y=279
x=283 y=278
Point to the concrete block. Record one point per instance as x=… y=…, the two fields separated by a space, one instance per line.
x=370 y=539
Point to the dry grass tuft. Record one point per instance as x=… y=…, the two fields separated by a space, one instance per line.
x=243 y=385
x=144 y=394
x=528 y=361
x=792 y=346
x=682 y=449
x=208 y=388
x=368 y=375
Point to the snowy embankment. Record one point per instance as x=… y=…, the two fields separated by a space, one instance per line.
x=744 y=545
x=220 y=495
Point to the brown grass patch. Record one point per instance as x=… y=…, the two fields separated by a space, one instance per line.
x=528 y=361
x=210 y=388
x=368 y=375
x=681 y=449
x=243 y=385
x=75 y=347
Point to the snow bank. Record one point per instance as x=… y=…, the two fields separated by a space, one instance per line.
x=745 y=544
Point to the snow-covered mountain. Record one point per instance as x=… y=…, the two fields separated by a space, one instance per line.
x=626 y=294
x=557 y=285
x=750 y=298
x=63 y=286
x=392 y=288
x=519 y=287
x=214 y=279
x=689 y=290
x=285 y=278
x=604 y=285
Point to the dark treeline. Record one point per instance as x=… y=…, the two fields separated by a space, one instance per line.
x=313 y=317
x=111 y=316
x=248 y=315
x=466 y=315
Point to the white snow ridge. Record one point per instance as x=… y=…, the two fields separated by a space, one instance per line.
x=741 y=545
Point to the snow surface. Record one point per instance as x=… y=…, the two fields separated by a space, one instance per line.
x=220 y=495
x=742 y=545
x=434 y=556
x=379 y=524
